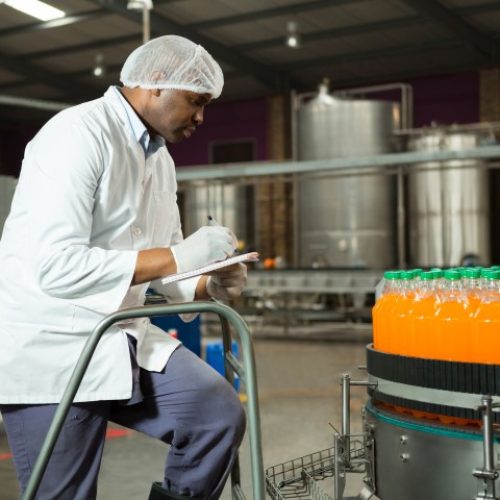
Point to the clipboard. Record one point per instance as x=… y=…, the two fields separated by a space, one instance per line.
x=245 y=257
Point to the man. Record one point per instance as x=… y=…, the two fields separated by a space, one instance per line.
x=94 y=222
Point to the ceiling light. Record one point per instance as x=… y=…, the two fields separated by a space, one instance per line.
x=140 y=4
x=293 y=39
x=99 y=69
x=36 y=8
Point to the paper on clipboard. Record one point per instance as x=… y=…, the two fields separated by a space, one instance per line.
x=245 y=257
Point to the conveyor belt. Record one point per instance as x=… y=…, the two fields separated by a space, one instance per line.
x=441 y=387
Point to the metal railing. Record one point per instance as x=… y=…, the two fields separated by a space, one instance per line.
x=246 y=371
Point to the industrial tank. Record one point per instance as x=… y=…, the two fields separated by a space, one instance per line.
x=345 y=221
x=448 y=201
x=229 y=204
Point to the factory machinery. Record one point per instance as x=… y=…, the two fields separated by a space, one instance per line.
x=368 y=193
x=428 y=433
x=433 y=383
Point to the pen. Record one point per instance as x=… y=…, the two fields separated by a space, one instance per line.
x=212 y=221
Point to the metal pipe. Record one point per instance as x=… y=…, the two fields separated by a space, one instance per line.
x=346 y=413
x=488 y=474
x=146 y=25
x=487 y=434
x=401 y=219
x=353 y=164
x=144 y=312
x=25 y=102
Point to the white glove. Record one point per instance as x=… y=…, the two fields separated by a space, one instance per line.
x=205 y=246
x=228 y=283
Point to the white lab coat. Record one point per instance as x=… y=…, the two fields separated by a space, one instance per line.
x=87 y=201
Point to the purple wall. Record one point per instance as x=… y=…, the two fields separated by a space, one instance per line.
x=225 y=121
x=446 y=99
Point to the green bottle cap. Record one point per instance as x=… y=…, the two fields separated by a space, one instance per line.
x=427 y=275
x=438 y=273
x=407 y=275
x=491 y=274
x=392 y=275
x=417 y=272
x=452 y=275
x=471 y=273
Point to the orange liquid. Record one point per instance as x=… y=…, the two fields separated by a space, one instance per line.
x=381 y=314
x=452 y=330
x=401 y=324
x=487 y=332
x=424 y=328
x=377 y=320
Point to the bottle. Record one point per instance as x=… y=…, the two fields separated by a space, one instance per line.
x=471 y=282
x=402 y=315
x=423 y=317
x=487 y=318
x=451 y=319
x=382 y=310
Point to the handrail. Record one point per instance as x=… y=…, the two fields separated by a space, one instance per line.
x=159 y=310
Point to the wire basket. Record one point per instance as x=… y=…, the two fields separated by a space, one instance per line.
x=298 y=478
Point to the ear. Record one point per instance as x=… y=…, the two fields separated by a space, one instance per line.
x=155 y=92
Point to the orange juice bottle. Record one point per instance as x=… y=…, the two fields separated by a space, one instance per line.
x=401 y=318
x=451 y=319
x=487 y=318
x=423 y=335
x=471 y=278
x=382 y=311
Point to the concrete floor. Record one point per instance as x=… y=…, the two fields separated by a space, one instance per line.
x=299 y=396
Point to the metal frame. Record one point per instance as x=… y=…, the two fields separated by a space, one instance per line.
x=246 y=372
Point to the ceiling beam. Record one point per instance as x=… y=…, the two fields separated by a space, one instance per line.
x=368 y=55
x=486 y=47
x=55 y=23
x=297 y=8
x=97 y=44
x=361 y=29
x=36 y=74
x=272 y=79
x=357 y=29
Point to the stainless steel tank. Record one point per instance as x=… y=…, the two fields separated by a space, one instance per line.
x=346 y=221
x=229 y=204
x=448 y=201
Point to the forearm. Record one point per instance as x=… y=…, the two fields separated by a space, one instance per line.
x=201 y=289
x=153 y=264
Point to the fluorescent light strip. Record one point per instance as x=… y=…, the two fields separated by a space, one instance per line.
x=36 y=8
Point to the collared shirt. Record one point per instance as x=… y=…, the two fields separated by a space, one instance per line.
x=141 y=134
x=88 y=200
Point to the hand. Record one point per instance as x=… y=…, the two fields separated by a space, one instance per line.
x=227 y=283
x=205 y=246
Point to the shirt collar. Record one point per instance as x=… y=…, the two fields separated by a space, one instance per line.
x=140 y=132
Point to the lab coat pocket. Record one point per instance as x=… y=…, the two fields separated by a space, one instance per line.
x=166 y=217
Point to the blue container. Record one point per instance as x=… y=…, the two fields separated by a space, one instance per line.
x=188 y=333
x=214 y=355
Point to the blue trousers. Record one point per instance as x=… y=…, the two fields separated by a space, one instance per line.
x=188 y=405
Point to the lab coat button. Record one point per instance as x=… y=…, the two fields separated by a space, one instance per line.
x=136 y=231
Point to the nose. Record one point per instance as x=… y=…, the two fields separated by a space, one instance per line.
x=198 y=117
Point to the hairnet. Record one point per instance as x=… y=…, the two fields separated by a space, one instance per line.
x=173 y=62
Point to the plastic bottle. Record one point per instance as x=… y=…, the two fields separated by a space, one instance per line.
x=438 y=278
x=487 y=318
x=451 y=319
x=401 y=320
x=471 y=282
x=423 y=335
x=382 y=310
